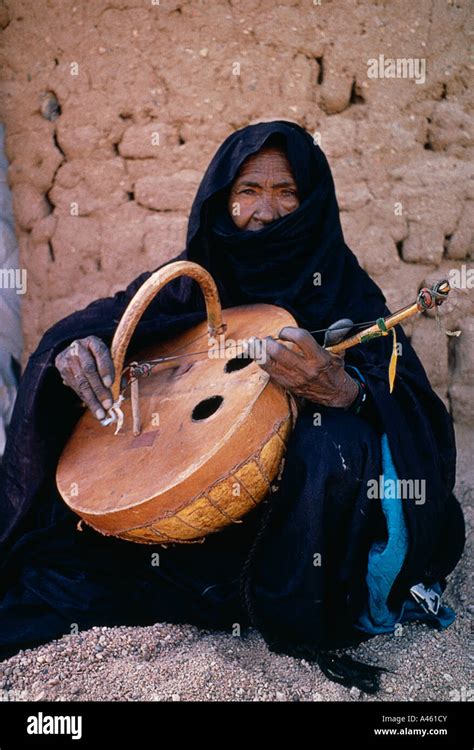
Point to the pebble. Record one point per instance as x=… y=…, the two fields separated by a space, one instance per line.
x=354 y=692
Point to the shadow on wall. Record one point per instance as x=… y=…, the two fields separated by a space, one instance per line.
x=11 y=342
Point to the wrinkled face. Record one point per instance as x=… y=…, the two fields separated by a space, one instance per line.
x=263 y=191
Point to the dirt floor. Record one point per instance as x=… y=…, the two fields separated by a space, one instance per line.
x=182 y=663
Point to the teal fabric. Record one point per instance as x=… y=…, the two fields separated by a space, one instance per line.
x=384 y=564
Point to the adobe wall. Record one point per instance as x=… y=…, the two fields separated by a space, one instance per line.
x=99 y=198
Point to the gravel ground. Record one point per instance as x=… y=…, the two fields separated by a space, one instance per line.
x=182 y=663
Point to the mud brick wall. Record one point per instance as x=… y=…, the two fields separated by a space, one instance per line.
x=113 y=109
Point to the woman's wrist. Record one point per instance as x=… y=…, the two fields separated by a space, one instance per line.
x=351 y=393
x=361 y=397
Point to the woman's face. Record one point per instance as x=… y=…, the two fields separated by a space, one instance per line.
x=263 y=191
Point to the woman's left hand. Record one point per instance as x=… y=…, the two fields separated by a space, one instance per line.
x=314 y=374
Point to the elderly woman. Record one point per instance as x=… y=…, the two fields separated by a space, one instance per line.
x=323 y=562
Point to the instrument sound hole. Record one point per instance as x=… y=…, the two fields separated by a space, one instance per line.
x=237 y=363
x=206 y=408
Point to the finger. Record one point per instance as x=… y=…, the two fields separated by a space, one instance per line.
x=277 y=354
x=338 y=331
x=83 y=389
x=61 y=365
x=89 y=370
x=303 y=339
x=66 y=374
x=105 y=365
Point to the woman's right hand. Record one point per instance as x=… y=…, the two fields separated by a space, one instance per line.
x=87 y=367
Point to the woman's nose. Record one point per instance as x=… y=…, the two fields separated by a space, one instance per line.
x=266 y=210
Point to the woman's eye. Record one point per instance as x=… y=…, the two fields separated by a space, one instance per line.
x=247 y=191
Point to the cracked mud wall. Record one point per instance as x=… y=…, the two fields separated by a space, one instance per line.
x=113 y=109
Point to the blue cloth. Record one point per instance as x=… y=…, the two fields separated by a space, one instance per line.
x=385 y=562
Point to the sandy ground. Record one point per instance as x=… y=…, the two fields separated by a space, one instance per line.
x=182 y=663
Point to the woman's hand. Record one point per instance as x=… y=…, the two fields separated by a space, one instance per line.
x=87 y=367
x=314 y=374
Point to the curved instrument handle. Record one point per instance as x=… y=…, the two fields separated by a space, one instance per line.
x=147 y=293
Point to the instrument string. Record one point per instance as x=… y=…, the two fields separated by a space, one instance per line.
x=142 y=369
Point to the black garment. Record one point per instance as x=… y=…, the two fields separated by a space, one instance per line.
x=66 y=578
x=318 y=509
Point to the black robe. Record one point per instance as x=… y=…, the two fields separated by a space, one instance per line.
x=261 y=572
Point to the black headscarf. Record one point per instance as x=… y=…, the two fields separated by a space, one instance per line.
x=277 y=265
